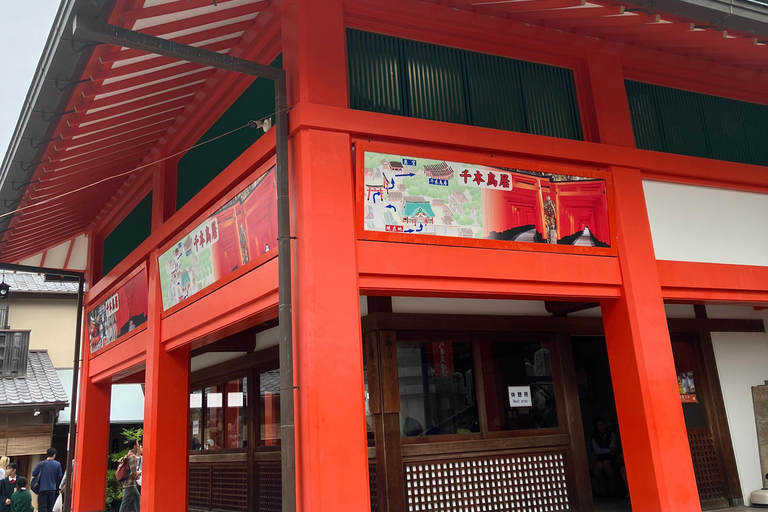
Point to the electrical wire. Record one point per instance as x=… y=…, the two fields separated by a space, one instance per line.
x=252 y=123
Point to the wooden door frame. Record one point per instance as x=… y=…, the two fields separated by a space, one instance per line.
x=380 y=329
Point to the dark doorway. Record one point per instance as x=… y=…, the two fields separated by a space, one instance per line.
x=600 y=424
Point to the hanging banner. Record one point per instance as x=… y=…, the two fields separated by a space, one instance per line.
x=421 y=196
x=119 y=314
x=234 y=235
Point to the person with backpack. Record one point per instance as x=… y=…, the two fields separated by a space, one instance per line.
x=21 y=501
x=47 y=476
x=127 y=474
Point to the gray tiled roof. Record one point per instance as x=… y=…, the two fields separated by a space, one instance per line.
x=41 y=386
x=270 y=381
x=25 y=282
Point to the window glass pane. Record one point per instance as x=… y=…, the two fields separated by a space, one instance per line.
x=519 y=392
x=437 y=389
x=237 y=405
x=195 y=417
x=214 y=418
x=269 y=388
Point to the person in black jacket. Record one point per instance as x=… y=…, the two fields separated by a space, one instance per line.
x=7 y=487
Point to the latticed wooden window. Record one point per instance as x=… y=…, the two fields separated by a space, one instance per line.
x=14 y=350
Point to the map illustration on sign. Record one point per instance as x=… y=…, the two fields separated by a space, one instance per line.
x=420 y=196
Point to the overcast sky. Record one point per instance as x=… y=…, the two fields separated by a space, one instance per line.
x=24 y=27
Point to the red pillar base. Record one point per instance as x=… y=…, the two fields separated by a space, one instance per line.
x=90 y=462
x=654 y=438
x=166 y=424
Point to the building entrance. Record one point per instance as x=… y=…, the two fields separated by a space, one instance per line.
x=701 y=404
x=602 y=437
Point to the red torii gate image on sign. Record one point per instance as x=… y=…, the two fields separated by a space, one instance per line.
x=578 y=205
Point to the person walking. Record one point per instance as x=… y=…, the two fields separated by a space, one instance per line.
x=50 y=474
x=131 y=496
x=21 y=501
x=138 y=467
x=8 y=486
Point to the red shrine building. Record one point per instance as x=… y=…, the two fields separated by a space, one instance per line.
x=552 y=299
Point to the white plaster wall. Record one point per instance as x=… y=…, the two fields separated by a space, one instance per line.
x=702 y=224
x=742 y=362
x=52 y=322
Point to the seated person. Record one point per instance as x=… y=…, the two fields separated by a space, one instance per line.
x=605 y=445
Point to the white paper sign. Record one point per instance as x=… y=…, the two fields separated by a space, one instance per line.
x=195 y=427
x=235 y=399
x=195 y=400
x=519 y=396
x=215 y=400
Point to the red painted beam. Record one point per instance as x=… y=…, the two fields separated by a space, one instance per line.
x=159 y=103
x=106 y=155
x=177 y=84
x=167 y=8
x=558 y=14
x=527 y=5
x=119 y=82
x=219 y=15
x=694 y=282
x=623 y=20
x=117 y=133
x=52 y=175
x=648 y=32
x=85 y=154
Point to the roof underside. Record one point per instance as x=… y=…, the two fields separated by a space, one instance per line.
x=95 y=114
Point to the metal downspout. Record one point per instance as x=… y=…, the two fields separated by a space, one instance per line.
x=67 y=498
x=287 y=427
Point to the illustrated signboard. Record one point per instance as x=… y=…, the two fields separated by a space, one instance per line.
x=519 y=396
x=120 y=313
x=421 y=196
x=237 y=233
x=687 y=388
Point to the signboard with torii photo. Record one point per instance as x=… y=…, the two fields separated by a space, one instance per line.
x=120 y=313
x=238 y=232
x=407 y=194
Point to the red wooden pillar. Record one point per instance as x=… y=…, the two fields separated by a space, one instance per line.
x=330 y=420
x=329 y=371
x=654 y=438
x=331 y=450
x=90 y=462
x=166 y=415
